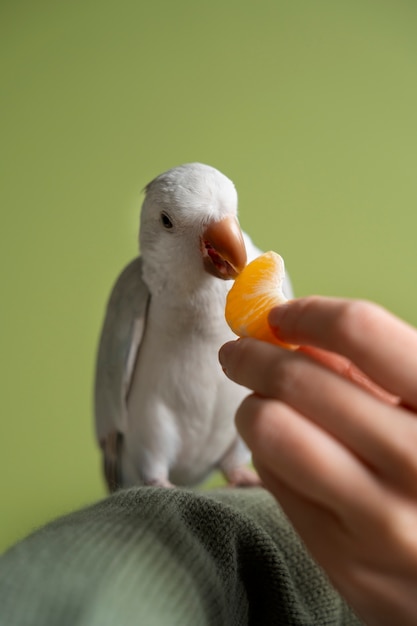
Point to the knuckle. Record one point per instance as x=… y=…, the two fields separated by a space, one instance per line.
x=356 y=319
x=398 y=525
x=305 y=307
x=286 y=377
x=403 y=450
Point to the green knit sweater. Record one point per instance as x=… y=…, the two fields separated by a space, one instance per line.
x=168 y=557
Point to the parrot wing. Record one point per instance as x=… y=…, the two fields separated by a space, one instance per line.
x=121 y=335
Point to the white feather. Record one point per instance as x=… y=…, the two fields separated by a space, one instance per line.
x=174 y=407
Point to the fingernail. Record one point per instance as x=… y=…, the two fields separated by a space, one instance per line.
x=276 y=314
x=224 y=353
x=277 y=323
x=274 y=321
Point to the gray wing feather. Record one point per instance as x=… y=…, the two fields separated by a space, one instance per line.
x=120 y=339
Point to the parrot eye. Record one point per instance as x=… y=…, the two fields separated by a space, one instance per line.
x=166 y=221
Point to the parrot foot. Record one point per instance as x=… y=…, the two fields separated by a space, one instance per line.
x=243 y=476
x=159 y=482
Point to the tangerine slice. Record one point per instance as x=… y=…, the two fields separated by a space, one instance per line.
x=256 y=290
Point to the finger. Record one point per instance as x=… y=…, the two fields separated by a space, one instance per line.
x=377 y=342
x=351 y=564
x=372 y=572
x=373 y=568
x=386 y=443
x=321 y=529
x=345 y=368
x=306 y=458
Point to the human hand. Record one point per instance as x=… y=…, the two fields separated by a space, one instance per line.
x=333 y=432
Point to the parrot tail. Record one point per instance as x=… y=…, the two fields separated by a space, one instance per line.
x=111 y=446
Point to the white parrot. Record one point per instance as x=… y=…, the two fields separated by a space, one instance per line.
x=164 y=409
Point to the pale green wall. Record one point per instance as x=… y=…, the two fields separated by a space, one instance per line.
x=309 y=106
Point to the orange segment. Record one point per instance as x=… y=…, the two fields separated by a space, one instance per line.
x=256 y=290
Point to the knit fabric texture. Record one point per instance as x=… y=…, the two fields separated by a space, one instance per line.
x=167 y=557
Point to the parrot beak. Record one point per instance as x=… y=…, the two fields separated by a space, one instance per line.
x=223 y=248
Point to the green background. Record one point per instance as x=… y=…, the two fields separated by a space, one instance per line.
x=309 y=106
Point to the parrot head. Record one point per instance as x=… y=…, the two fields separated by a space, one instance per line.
x=189 y=227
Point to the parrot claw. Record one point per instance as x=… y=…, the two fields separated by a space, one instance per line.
x=159 y=482
x=243 y=476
